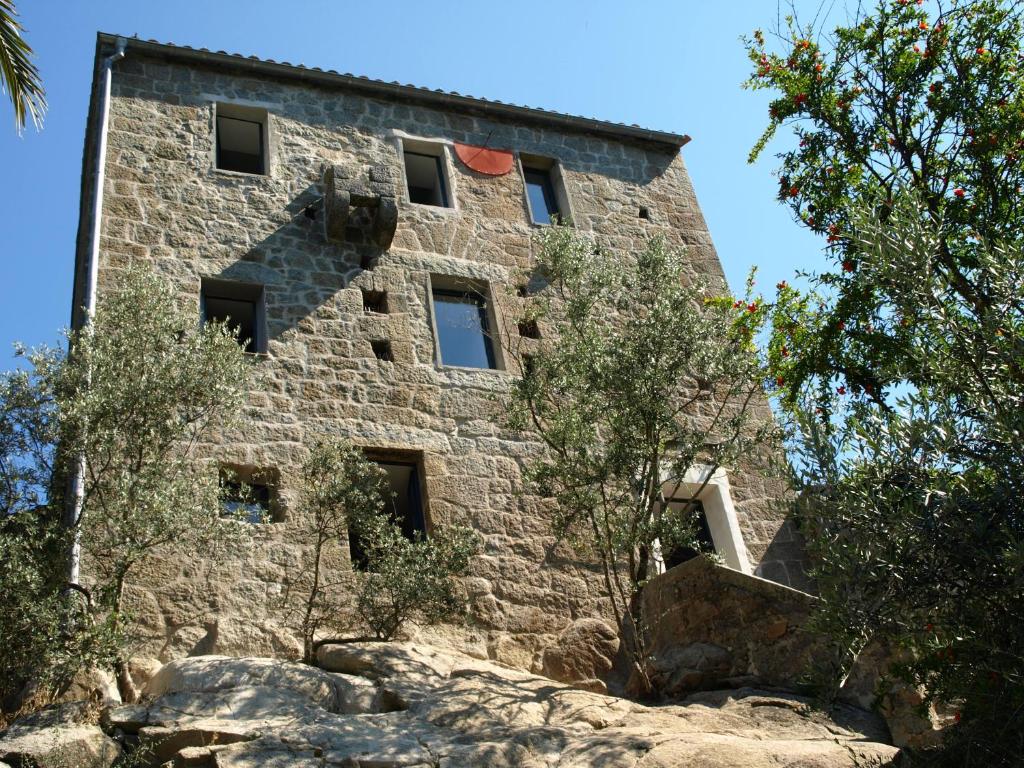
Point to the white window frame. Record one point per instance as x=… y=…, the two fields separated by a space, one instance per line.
x=719 y=510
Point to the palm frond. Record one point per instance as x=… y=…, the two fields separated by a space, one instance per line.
x=18 y=75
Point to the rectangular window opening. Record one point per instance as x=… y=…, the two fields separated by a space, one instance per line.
x=644 y=213
x=239 y=306
x=463 y=328
x=248 y=495
x=541 y=193
x=382 y=350
x=375 y=302
x=424 y=176
x=404 y=507
x=241 y=139
x=705 y=543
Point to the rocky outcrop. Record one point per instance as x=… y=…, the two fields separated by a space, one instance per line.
x=61 y=736
x=410 y=705
x=713 y=627
x=583 y=655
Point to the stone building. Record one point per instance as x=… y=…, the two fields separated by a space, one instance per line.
x=369 y=238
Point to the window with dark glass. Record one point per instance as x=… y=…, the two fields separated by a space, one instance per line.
x=240 y=144
x=424 y=175
x=463 y=331
x=240 y=306
x=540 y=190
x=404 y=507
x=705 y=543
x=247 y=501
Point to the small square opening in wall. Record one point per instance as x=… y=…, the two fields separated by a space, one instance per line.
x=404 y=506
x=644 y=213
x=240 y=306
x=528 y=329
x=241 y=139
x=425 y=178
x=382 y=350
x=248 y=495
x=375 y=302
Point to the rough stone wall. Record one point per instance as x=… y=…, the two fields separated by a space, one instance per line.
x=168 y=207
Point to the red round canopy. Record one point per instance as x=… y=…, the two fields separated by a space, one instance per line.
x=493 y=162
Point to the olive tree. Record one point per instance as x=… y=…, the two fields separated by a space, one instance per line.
x=141 y=386
x=345 y=494
x=642 y=375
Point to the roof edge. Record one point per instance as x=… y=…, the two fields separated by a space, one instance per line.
x=670 y=142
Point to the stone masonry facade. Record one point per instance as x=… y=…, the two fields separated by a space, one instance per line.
x=168 y=206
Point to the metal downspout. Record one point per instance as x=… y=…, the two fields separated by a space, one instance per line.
x=92 y=277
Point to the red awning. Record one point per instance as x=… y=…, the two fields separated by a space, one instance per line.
x=493 y=162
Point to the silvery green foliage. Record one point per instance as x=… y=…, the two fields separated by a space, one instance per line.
x=343 y=493
x=913 y=500
x=411 y=580
x=144 y=384
x=339 y=484
x=640 y=378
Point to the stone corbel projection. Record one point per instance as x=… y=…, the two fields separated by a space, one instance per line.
x=342 y=192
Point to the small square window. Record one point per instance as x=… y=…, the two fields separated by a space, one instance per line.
x=375 y=302
x=404 y=506
x=241 y=139
x=644 y=213
x=463 y=328
x=247 y=494
x=240 y=306
x=382 y=350
x=425 y=179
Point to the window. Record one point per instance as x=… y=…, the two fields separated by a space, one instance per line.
x=425 y=178
x=705 y=543
x=240 y=306
x=405 y=507
x=241 y=139
x=545 y=190
x=247 y=494
x=541 y=194
x=463 y=328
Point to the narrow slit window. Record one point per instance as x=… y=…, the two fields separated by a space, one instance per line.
x=424 y=175
x=540 y=190
x=404 y=506
x=241 y=144
x=240 y=306
x=463 y=329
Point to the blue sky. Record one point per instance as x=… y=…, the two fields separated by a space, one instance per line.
x=674 y=65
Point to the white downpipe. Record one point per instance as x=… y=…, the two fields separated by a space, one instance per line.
x=92 y=277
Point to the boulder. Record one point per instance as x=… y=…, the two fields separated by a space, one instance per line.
x=95 y=685
x=58 y=737
x=583 y=655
